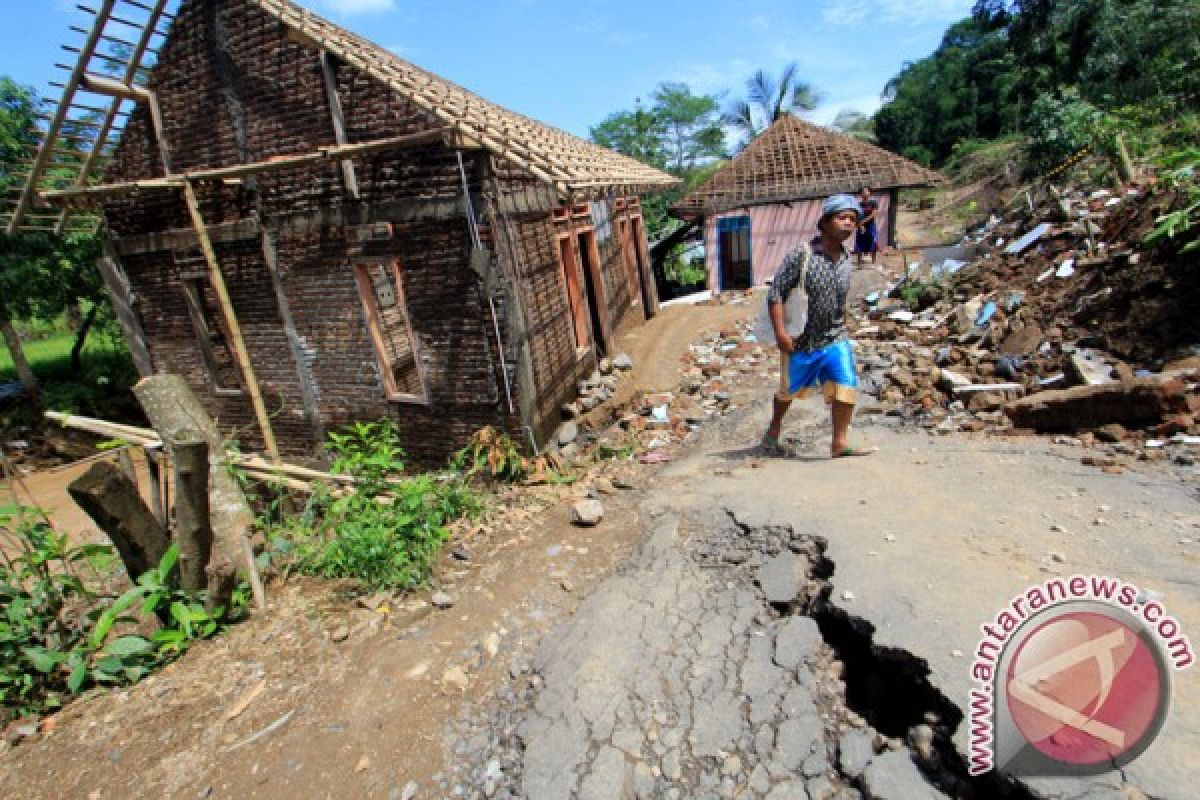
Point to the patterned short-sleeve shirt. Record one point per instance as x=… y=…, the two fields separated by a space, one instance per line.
x=827 y=283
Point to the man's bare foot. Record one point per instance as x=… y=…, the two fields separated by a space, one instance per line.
x=846 y=452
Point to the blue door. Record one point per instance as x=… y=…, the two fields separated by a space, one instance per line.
x=734 y=266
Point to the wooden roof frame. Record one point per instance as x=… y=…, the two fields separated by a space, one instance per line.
x=794 y=160
x=574 y=167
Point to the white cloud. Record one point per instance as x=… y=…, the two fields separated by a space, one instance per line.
x=843 y=14
x=710 y=78
x=347 y=7
x=907 y=12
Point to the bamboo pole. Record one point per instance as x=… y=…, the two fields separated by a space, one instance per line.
x=339 y=121
x=29 y=191
x=231 y=321
x=137 y=51
x=179 y=180
x=101 y=427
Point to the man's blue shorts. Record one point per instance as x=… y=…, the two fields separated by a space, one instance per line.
x=831 y=368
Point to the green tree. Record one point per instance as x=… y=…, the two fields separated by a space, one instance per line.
x=767 y=99
x=18 y=142
x=691 y=124
x=680 y=133
x=640 y=133
x=1004 y=69
x=41 y=274
x=856 y=124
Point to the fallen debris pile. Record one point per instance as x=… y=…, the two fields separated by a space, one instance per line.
x=653 y=423
x=1056 y=319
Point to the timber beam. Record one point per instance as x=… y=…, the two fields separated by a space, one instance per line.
x=180 y=180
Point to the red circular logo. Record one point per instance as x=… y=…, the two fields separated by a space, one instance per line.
x=1084 y=689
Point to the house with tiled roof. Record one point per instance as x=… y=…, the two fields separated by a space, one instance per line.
x=313 y=231
x=766 y=201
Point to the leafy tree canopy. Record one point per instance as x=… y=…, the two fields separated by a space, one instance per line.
x=991 y=69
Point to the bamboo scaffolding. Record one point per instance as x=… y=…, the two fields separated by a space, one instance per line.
x=178 y=181
x=254 y=464
x=60 y=114
x=110 y=116
x=241 y=354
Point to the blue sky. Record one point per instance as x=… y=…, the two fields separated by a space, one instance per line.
x=571 y=62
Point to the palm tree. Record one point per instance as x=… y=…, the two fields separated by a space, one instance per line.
x=767 y=99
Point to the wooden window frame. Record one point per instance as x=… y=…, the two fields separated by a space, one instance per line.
x=597 y=276
x=576 y=309
x=632 y=278
x=370 y=306
x=193 y=286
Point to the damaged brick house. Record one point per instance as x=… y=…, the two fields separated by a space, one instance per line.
x=767 y=200
x=313 y=231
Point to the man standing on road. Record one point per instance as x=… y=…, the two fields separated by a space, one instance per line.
x=866 y=238
x=821 y=355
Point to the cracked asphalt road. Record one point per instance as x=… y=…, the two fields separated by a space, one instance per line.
x=694 y=672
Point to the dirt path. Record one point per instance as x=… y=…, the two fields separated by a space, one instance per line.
x=347 y=700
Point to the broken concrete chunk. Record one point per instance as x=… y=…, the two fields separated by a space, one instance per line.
x=1142 y=401
x=856 y=751
x=1087 y=368
x=796 y=642
x=782 y=577
x=894 y=776
x=587 y=513
x=568 y=433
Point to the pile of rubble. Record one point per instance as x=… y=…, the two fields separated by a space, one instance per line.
x=652 y=424
x=1054 y=320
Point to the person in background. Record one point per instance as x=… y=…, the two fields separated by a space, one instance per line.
x=866 y=238
x=821 y=356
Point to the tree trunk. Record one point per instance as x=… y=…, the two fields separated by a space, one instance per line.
x=173 y=410
x=80 y=338
x=222 y=580
x=193 y=530
x=24 y=373
x=113 y=502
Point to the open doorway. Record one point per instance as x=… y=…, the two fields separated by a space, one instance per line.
x=733 y=253
x=594 y=284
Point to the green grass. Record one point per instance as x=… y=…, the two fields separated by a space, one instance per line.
x=100 y=389
x=50 y=358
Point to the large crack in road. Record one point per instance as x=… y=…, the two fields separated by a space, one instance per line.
x=715 y=665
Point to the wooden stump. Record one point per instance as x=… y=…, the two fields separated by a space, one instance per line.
x=222 y=580
x=193 y=531
x=174 y=410
x=111 y=499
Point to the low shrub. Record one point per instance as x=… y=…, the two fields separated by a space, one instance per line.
x=386 y=534
x=57 y=637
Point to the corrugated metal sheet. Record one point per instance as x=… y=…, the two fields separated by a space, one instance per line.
x=775 y=231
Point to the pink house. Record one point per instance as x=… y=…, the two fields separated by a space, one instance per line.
x=766 y=201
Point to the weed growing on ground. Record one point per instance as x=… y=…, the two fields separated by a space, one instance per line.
x=57 y=637
x=386 y=534
x=493 y=455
